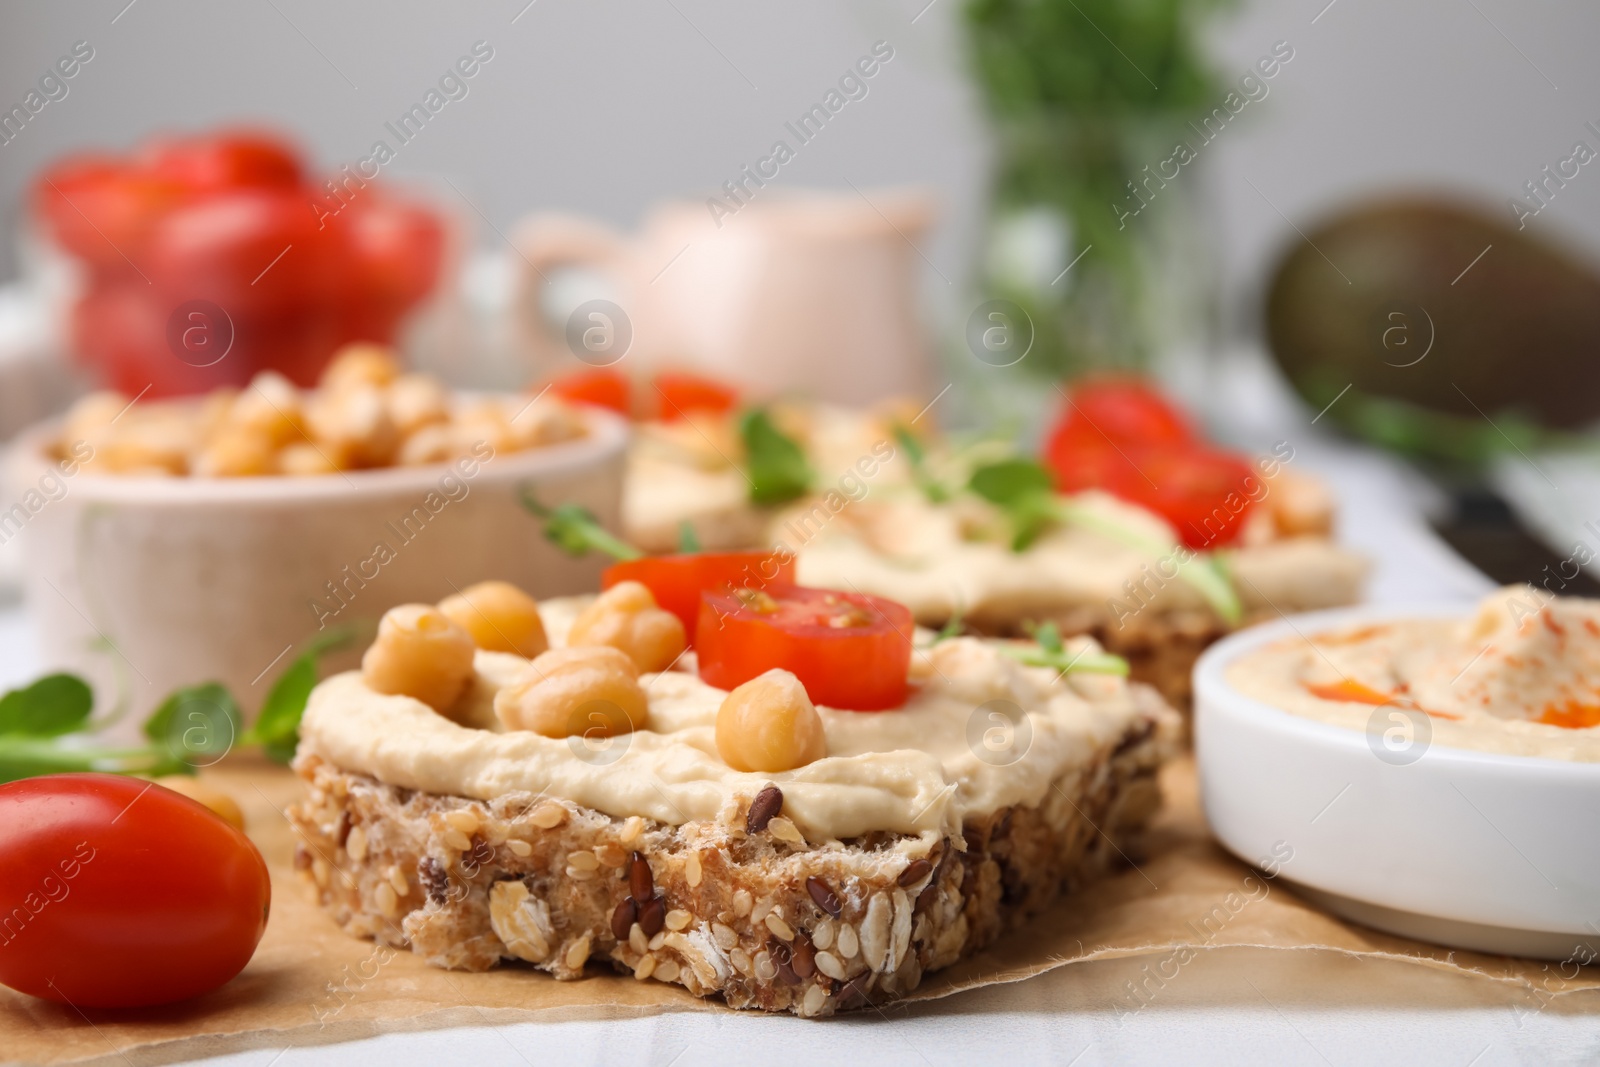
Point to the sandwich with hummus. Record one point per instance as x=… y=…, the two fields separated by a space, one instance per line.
x=786 y=797
x=1130 y=528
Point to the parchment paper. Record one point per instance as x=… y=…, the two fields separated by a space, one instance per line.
x=311 y=984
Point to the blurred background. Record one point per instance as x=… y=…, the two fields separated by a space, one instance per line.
x=605 y=108
x=1027 y=126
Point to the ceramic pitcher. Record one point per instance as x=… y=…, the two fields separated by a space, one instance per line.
x=808 y=293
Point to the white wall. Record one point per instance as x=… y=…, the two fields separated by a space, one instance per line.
x=604 y=106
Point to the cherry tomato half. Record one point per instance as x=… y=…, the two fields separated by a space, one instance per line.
x=118 y=893
x=1204 y=493
x=849 y=650
x=677 y=581
x=601 y=387
x=1121 y=435
x=679 y=394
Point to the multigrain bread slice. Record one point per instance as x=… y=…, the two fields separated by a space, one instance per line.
x=739 y=906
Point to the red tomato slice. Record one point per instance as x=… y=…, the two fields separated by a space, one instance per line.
x=679 y=394
x=225 y=159
x=118 y=893
x=601 y=387
x=677 y=581
x=849 y=650
x=1122 y=410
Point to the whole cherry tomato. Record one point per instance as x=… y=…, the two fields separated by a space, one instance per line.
x=678 y=394
x=601 y=386
x=118 y=893
x=850 y=650
x=677 y=581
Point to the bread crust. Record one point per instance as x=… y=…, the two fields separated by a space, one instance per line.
x=722 y=907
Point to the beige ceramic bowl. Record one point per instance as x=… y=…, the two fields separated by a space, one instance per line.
x=146 y=584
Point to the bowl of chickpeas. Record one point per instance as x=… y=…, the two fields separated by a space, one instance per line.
x=174 y=542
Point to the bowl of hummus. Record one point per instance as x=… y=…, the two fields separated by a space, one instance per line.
x=1427 y=769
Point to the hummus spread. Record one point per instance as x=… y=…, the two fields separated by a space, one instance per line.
x=1520 y=676
x=868 y=526
x=941 y=560
x=950 y=752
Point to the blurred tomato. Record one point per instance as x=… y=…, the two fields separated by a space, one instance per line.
x=227 y=159
x=601 y=387
x=1124 y=411
x=1122 y=436
x=396 y=250
x=679 y=393
x=252 y=252
x=230 y=219
x=102 y=212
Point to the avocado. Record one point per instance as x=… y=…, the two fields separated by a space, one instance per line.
x=1438 y=310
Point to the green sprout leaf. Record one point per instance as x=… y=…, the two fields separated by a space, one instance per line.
x=576 y=531
x=775 y=463
x=953 y=627
x=1025 y=491
x=1066 y=662
x=688 y=540
x=1047 y=635
x=1052 y=652
x=1010 y=480
x=42 y=727
x=932 y=488
x=277 y=727
x=199 y=722
x=54 y=705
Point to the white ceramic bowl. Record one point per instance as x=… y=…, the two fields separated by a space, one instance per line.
x=147 y=584
x=1476 y=850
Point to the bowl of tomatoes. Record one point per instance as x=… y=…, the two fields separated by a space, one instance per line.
x=205 y=259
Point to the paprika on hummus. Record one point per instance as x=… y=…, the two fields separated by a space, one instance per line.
x=1521 y=675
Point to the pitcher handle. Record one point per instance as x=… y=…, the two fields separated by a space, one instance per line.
x=544 y=243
